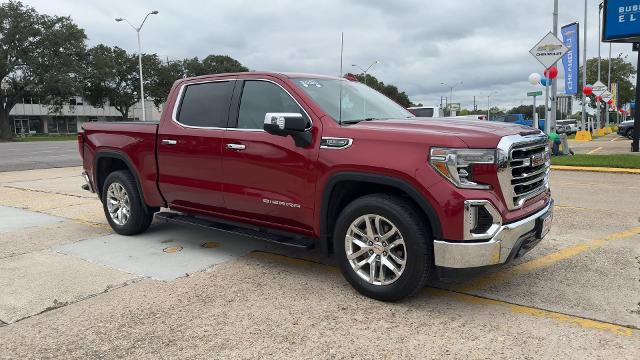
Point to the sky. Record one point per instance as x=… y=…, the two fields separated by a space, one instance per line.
x=419 y=43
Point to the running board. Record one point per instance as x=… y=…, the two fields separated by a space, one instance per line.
x=297 y=241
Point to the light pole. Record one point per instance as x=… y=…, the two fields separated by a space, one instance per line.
x=366 y=70
x=451 y=92
x=137 y=29
x=488 y=106
x=584 y=68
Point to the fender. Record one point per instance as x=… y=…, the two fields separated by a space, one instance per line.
x=395 y=182
x=120 y=156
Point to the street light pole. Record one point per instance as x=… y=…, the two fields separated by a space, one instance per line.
x=364 y=71
x=584 y=68
x=551 y=120
x=137 y=29
x=488 y=106
x=451 y=92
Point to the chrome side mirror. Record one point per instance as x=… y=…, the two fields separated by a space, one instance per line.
x=285 y=123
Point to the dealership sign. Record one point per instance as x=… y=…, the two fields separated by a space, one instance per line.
x=571 y=60
x=621 y=21
x=549 y=50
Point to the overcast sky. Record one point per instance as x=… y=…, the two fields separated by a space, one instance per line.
x=419 y=43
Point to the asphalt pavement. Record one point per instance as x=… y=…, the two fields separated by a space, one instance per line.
x=71 y=288
x=38 y=155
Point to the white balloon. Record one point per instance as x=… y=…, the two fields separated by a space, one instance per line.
x=534 y=78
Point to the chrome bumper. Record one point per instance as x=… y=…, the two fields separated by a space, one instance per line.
x=503 y=246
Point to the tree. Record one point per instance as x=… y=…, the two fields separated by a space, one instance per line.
x=167 y=73
x=41 y=57
x=622 y=72
x=112 y=77
x=391 y=91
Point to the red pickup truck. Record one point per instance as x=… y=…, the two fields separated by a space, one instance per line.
x=316 y=160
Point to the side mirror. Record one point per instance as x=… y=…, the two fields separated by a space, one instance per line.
x=284 y=124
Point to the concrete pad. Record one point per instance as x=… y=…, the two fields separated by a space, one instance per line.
x=68 y=185
x=35 y=200
x=165 y=252
x=287 y=310
x=88 y=210
x=12 y=219
x=31 y=239
x=30 y=175
x=600 y=284
x=33 y=283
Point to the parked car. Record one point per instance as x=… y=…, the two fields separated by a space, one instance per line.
x=427 y=111
x=396 y=200
x=519 y=119
x=626 y=128
x=568 y=127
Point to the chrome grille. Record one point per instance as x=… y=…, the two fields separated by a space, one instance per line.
x=524 y=168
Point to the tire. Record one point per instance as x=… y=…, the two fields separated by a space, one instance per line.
x=417 y=249
x=120 y=186
x=629 y=133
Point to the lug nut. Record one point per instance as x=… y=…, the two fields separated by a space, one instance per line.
x=370 y=252
x=384 y=253
x=370 y=243
x=384 y=244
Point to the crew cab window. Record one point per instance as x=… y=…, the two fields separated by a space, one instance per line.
x=261 y=97
x=206 y=104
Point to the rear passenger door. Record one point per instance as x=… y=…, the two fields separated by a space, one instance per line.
x=190 y=146
x=267 y=178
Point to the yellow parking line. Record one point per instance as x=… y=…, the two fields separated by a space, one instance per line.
x=594 y=150
x=526 y=310
x=473 y=299
x=545 y=261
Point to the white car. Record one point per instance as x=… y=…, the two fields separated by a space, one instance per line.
x=567 y=126
x=427 y=111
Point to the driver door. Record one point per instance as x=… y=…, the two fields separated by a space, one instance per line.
x=267 y=178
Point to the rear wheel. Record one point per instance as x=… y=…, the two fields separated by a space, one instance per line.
x=383 y=247
x=630 y=133
x=123 y=206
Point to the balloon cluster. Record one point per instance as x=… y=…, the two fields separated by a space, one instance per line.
x=549 y=74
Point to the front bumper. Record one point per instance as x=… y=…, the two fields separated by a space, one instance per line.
x=511 y=240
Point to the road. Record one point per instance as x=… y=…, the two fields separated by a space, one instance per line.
x=38 y=155
x=606 y=145
x=70 y=288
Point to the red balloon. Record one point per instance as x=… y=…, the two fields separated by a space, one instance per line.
x=551 y=72
x=610 y=101
x=598 y=98
x=587 y=90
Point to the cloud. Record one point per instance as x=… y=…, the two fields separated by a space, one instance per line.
x=419 y=43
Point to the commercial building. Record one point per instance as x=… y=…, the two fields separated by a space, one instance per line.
x=30 y=117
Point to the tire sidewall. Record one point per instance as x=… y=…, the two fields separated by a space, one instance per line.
x=417 y=243
x=136 y=222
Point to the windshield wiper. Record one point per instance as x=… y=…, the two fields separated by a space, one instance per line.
x=358 y=120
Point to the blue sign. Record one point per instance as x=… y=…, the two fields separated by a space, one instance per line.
x=571 y=60
x=621 y=21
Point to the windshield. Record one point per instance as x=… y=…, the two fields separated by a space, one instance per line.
x=359 y=102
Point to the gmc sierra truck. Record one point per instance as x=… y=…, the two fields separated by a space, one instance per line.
x=310 y=160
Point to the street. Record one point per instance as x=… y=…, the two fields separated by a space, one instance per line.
x=38 y=155
x=73 y=289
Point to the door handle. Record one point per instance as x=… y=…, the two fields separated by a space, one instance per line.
x=237 y=147
x=168 y=142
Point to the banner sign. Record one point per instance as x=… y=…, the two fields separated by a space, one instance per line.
x=571 y=60
x=621 y=21
x=614 y=91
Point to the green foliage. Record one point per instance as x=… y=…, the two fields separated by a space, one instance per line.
x=41 y=57
x=622 y=72
x=391 y=91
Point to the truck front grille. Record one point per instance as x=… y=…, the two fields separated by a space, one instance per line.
x=524 y=169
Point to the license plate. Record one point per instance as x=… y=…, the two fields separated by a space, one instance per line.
x=544 y=224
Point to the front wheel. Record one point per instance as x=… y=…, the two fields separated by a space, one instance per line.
x=123 y=206
x=383 y=247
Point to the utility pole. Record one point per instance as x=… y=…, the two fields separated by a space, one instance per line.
x=600 y=7
x=551 y=121
x=584 y=68
x=609 y=82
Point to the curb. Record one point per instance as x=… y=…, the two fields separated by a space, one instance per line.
x=596 y=169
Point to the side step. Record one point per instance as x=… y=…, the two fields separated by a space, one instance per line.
x=297 y=241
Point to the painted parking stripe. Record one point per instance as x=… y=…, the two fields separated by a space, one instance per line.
x=594 y=150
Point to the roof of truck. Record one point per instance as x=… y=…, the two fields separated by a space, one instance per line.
x=291 y=75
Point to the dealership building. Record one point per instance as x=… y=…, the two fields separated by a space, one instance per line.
x=31 y=118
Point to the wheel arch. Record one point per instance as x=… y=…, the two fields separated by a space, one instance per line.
x=108 y=161
x=331 y=202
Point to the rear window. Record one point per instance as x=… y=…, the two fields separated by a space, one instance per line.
x=206 y=104
x=427 y=112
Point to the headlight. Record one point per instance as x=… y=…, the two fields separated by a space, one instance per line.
x=456 y=165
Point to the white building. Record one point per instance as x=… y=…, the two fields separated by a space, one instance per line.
x=30 y=117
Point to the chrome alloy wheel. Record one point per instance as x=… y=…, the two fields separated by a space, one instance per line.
x=118 y=204
x=375 y=249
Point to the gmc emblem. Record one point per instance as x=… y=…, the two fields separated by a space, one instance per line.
x=537 y=159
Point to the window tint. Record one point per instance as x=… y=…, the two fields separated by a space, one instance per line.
x=206 y=104
x=261 y=97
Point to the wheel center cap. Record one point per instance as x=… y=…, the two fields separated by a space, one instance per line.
x=378 y=249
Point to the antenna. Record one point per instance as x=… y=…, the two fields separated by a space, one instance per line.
x=340 y=101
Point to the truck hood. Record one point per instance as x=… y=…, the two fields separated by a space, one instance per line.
x=474 y=133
